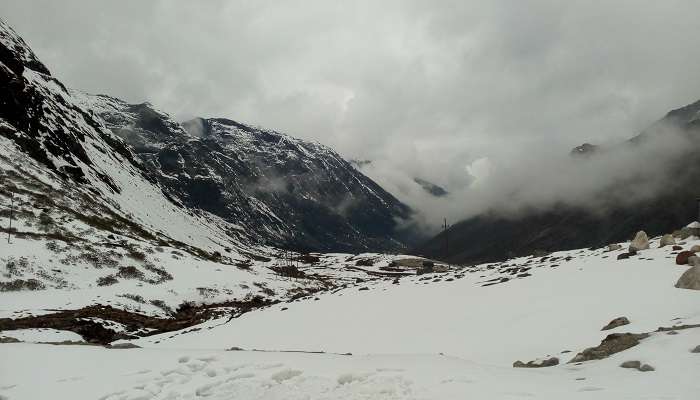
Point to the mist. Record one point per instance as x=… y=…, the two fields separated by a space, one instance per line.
x=485 y=99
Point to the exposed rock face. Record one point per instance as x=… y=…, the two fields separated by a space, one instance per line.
x=613 y=343
x=619 y=321
x=667 y=240
x=683 y=256
x=640 y=241
x=280 y=190
x=690 y=279
x=540 y=363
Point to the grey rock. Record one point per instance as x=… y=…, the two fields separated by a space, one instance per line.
x=696 y=349
x=690 y=279
x=619 y=321
x=667 y=240
x=614 y=246
x=640 y=241
x=646 y=368
x=631 y=364
x=124 y=346
x=541 y=363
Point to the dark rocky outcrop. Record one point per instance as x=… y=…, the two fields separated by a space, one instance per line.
x=613 y=343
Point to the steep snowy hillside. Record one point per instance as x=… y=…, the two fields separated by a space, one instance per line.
x=456 y=334
x=281 y=190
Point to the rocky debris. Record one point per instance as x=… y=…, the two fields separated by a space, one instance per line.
x=696 y=349
x=667 y=240
x=619 y=321
x=640 y=241
x=690 y=279
x=539 y=363
x=613 y=343
x=614 y=246
x=683 y=256
x=637 y=365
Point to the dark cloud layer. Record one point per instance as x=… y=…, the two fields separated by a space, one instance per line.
x=455 y=92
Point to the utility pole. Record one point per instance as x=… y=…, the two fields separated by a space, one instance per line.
x=12 y=206
x=447 y=241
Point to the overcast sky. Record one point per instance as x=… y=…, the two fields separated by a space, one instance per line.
x=448 y=91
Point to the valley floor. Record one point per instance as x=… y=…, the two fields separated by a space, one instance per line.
x=451 y=335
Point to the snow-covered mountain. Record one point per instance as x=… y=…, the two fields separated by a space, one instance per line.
x=657 y=203
x=280 y=190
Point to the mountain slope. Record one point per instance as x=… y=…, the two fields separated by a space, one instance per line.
x=279 y=189
x=670 y=204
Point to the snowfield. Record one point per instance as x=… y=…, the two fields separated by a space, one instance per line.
x=431 y=336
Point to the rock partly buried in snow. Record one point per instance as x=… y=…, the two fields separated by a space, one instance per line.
x=631 y=364
x=646 y=368
x=695 y=248
x=696 y=349
x=667 y=240
x=623 y=256
x=683 y=256
x=640 y=241
x=693 y=261
x=619 y=321
x=690 y=279
x=539 y=363
x=613 y=343
x=8 y=339
x=677 y=248
x=614 y=246
x=123 y=346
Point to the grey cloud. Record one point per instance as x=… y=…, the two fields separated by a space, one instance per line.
x=422 y=88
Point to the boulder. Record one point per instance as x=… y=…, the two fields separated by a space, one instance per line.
x=690 y=279
x=539 y=363
x=125 y=345
x=693 y=261
x=614 y=246
x=695 y=248
x=646 y=368
x=667 y=240
x=631 y=364
x=640 y=241
x=683 y=256
x=619 y=321
x=613 y=343
x=441 y=268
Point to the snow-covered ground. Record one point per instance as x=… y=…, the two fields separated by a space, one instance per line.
x=452 y=335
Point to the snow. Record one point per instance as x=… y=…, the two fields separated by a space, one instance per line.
x=432 y=336
x=42 y=335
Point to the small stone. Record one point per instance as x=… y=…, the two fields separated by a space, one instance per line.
x=631 y=364
x=124 y=346
x=623 y=256
x=696 y=349
x=676 y=248
x=646 y=368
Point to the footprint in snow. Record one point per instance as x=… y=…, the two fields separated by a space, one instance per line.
x=285 y=375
